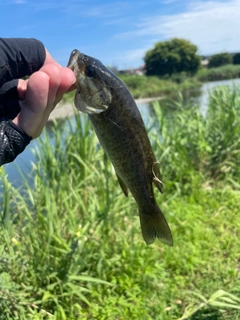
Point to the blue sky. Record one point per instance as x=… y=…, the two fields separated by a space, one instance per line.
x=120 y=32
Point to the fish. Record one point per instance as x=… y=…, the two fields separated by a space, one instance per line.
x=122 y=134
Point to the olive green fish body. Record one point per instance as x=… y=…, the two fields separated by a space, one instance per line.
x=122 y=134
x=122 y=139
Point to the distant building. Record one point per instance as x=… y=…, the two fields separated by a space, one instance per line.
x=134 y=72
x=205 y=61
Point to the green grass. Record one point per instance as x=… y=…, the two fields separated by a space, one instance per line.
x=71 y=247
x=143 y=86
x=221 y=73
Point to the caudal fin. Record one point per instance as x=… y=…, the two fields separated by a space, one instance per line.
x=154 y=225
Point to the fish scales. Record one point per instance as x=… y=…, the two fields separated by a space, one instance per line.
x=122 y=134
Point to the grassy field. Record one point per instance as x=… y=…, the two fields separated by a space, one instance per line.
x=71 y=247
x=226 y=72
x=143 y=86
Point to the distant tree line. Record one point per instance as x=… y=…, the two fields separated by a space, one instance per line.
x=221 y=59
x=180 y=55
x=173 y=56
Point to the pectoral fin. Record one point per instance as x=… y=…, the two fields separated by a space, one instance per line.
x=157 y=179
x=122 y=185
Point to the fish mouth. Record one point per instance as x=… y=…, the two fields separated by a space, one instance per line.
x=76 y=63
x=73 y=59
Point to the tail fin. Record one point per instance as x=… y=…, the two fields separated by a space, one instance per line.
x=154 y=225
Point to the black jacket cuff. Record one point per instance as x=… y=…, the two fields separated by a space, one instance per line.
x=13 y=140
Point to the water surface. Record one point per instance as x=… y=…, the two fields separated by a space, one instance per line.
x=23 y=163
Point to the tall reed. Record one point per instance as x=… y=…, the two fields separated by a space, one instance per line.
x=191 y=144
x=71 y=246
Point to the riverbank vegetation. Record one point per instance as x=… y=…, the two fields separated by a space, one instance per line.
x=153 y=86
x=71 y=246
x=226 y=72
x=146 y=86
x=175 y=65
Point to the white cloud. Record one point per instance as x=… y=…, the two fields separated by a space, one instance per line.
x=133 y=58
x=214 y=26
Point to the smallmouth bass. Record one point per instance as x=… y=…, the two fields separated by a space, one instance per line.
x=122 y=134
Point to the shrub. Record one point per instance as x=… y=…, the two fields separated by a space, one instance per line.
x=174 y=56
x=236 y=58
x=220 y=59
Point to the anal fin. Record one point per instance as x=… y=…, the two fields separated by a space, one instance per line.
x=157 y=179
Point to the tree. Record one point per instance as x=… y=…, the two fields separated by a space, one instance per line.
x=236 y=58
x=173 y=56
x=220 y=59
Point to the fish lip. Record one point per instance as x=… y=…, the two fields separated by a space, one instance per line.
x=76 y=61
x=73 y=59
x=79 y=60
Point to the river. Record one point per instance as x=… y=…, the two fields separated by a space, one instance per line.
x=23 y=163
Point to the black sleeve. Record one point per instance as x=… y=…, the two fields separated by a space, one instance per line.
x=13 y=140
x=9 y=104
x=20 y=57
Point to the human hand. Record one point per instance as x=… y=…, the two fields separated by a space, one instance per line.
x=40 y=94
x=25 y=105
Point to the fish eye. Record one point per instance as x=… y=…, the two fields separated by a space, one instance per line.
x=90 y=71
